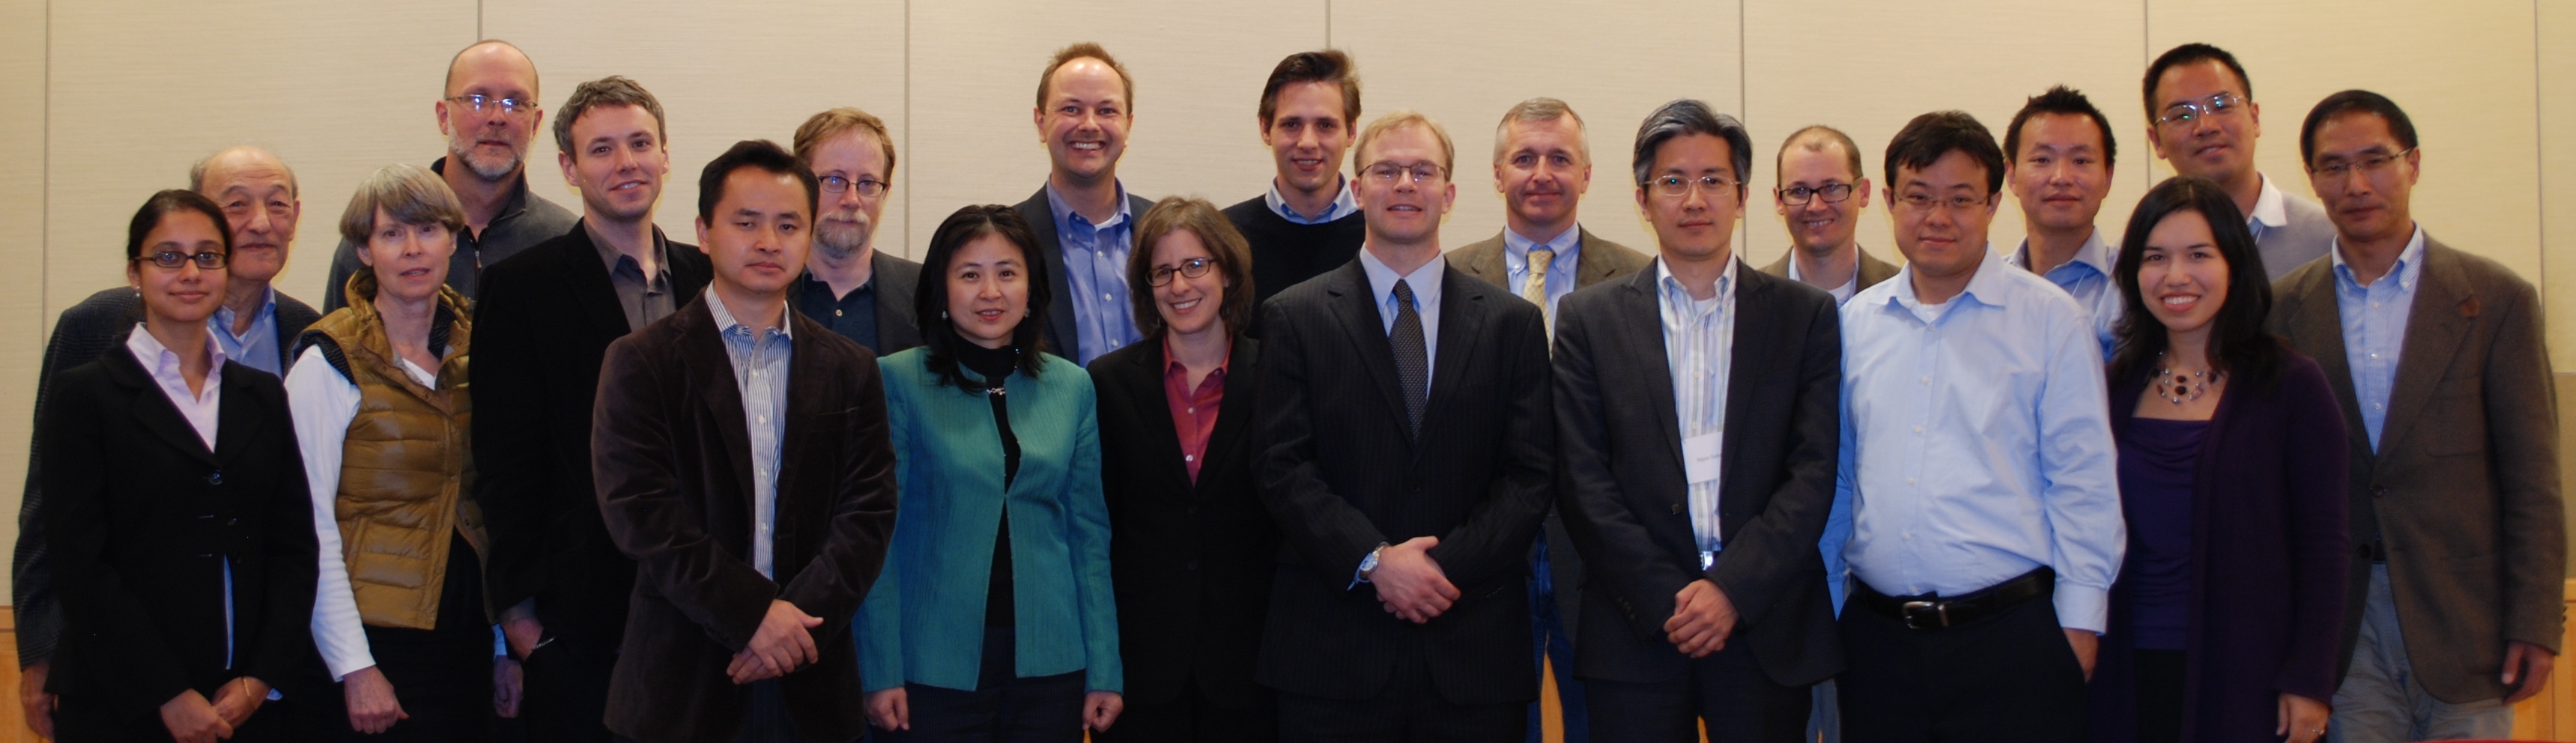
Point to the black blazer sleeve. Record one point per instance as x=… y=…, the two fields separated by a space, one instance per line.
x=83 y=333
x=1766 y=552
x=513 y=454
x=2320 y=543
x=283 y=649
x=1324 y=530
x=77 y=517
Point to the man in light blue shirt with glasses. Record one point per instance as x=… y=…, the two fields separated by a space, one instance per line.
x=1084 y=217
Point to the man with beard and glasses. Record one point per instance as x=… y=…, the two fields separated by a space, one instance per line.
x=858 y=291
x=488 y=113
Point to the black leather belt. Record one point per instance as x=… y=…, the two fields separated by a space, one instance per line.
x=1933 y=612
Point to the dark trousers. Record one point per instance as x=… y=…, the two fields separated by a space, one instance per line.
x=1003 y=708
x=566 y=697
x=441 y=676
x=1727 y=690
x=764 y=718
x=1410 y=710
x=1191 y=718
x=104 y=720
x=2160 y=683
x=1549 y=641
x=2006 y=677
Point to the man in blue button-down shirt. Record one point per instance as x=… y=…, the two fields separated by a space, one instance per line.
x=1977 y=469
x=1085 y=219
x=2058 y=154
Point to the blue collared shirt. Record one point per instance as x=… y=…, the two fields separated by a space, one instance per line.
x=760 y=373
x=1095 y=270
x=1699 y=345
x=1343 y=205
x=257 y=348
x=2374 y=327
x=2087 y=277
x=1425 y=283
x=1560 y=267
x=1976 y=442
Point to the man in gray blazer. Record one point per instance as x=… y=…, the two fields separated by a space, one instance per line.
x=2202 y=119
x=2437 y=357
x=1820 y=196
x=849 y=285
x=1542 y=166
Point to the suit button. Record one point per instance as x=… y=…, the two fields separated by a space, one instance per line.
x=215 y=478
x=1677 y=509
x=1194 y=565
x=2379 y=491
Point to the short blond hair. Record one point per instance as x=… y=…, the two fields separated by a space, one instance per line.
x=836 y=122
x=1404 y=119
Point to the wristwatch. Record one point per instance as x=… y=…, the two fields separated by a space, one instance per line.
x=1369 y=564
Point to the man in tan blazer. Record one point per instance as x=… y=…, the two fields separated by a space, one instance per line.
x=2437 y=357
x=1542 y=166
x=1820 y=196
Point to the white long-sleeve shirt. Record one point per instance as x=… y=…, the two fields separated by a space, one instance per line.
x=324 y=403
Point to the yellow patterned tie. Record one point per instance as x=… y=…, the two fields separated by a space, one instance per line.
x=1534 y=288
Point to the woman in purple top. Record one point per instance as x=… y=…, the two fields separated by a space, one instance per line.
x=2228 y=609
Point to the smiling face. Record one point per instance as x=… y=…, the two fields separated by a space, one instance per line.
x=988 y=290
x=849 y=218
x=1401 y=210
x=1699 y=224
x=1188 y=305
x=1820 y=227
x=2217 y=147
x=1085 y=119
x=1307 y=135
x=258 y=198
x=1941 y=213
x=491 y=143
x=186 y=294
x=410 y=260
x=2059 y=175
x=618 y=162
x=2366 y=204
x=2181 y=274
x=761 y=234
x=1542 y=172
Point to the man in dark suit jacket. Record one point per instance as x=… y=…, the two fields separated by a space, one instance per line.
x=1083 y=215
x=758 y=509
x=2455 y=605
x=1408 y=466
x=1697 y=453
x=849 y=285
x=260 y=198
x=543 y=325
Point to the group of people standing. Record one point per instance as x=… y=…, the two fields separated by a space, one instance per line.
x=2256 y=468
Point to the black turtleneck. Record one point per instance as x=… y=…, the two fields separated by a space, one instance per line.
x=995 y=365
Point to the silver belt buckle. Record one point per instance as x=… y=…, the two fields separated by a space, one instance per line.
x=1707 y=559
x=1939 y=613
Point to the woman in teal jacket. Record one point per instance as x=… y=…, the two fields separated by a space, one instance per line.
x=994 y=619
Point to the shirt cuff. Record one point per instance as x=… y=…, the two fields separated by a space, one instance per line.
x=2082 y=607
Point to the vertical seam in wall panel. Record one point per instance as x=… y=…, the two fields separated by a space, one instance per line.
x=906 y=176
x=2146 y=47
x=2540 y=148
x=1328 y=23
x=45 y=202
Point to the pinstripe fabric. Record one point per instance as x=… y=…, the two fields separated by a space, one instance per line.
x=1699 y=339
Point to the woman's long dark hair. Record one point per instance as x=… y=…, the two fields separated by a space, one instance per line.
x=2238 y=343
x=930 y=300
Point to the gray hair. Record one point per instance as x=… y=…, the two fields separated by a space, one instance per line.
x=1538 y=110
x=410 y=194
x=1685 y=116
x=197 y=170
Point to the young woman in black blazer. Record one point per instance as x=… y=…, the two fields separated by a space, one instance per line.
x=183 y=544
x=1191 y=548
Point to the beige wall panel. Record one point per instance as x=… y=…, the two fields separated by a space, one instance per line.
x=1198 y=71
x=724 y=72
x=22 y=200
x=2556 y=35
x=1465 y=63
x=143 y=89
x=1868 y=72
x=2462 y=71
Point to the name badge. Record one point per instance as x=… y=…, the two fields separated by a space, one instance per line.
x=1699 y=457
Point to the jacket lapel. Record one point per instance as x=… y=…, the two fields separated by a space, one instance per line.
x=2436 y=325
x=808 y=377
x=1234 y=415
x=1594 y=265
x=1749 y=361
x=152 y=408
x=237 y=418
x=1641 y=329
x=711 y=370
x=1357 y=313
x=586 y=281
x=1462 y=325
x=1144 y=379
x=2316 y=329
x=1041 y=218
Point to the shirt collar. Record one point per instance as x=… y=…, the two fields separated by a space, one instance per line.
x=1566 y=245
x=164 y=363
x=224 y=316
x=1424 y=281
x=1987 y=286
x=2408 y=261
x=1343 y=204
x=608 y=254
x=1064 y=213
x=2094 y=254
x=1674 y=292
x=511 y=205
x=1172 y=362
x=2268 y=207
x=726 y=324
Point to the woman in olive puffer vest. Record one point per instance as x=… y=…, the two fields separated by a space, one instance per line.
x=381 y=414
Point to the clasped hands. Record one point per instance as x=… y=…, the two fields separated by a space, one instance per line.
x=192 y=719
x=1410 y=585
x=781 y=645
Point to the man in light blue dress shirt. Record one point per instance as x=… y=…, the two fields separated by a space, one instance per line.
x=1086 y=220
x=1977 y=469
x=2058 y=155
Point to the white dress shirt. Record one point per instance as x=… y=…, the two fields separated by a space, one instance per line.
x=1699 y=345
